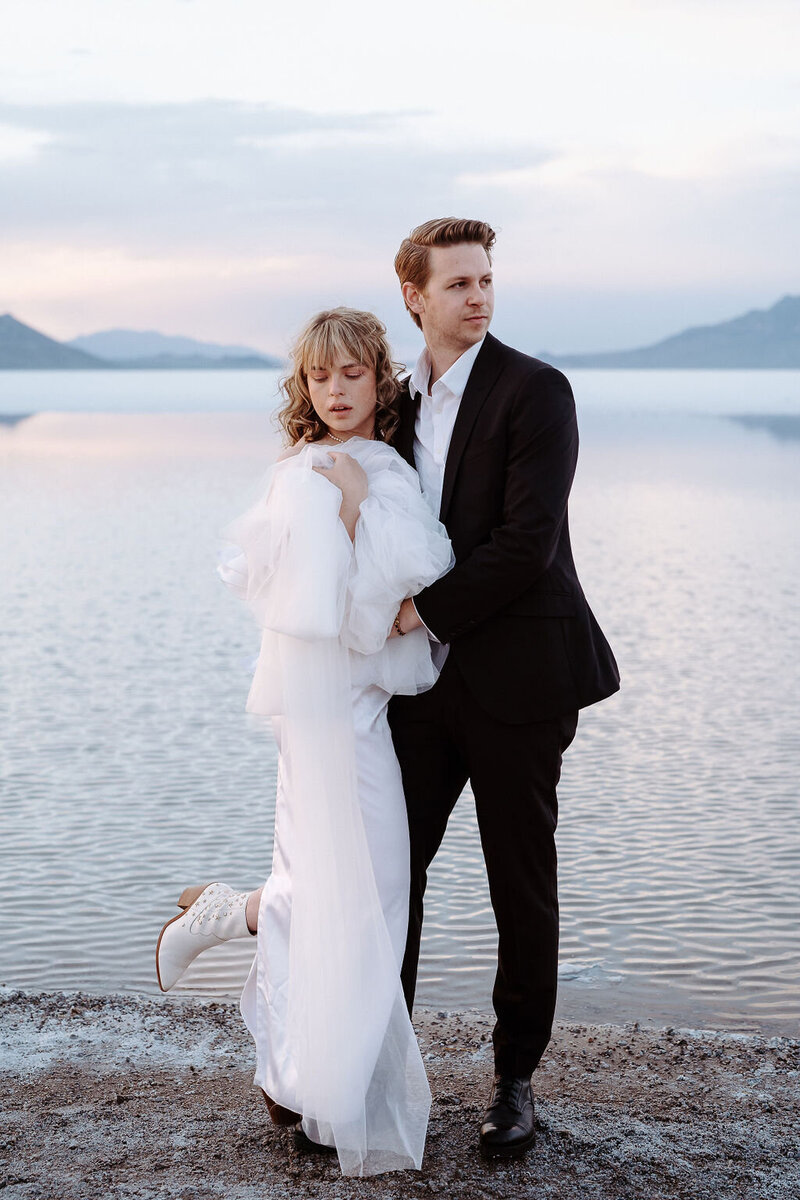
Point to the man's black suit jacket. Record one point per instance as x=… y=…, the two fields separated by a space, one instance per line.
x=520 y=630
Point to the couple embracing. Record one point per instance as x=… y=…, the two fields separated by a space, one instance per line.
x=409 y=565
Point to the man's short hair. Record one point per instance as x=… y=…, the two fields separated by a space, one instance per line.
x=412 y=261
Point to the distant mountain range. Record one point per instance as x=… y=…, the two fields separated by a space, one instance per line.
x=21 y=347
x=763 y=338
x=24 y=348
x=128 y=344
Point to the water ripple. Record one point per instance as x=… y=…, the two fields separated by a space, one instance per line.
x=128 y=767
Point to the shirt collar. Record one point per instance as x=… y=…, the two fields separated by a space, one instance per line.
x=455 y=377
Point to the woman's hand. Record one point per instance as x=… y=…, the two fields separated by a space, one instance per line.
x=351 y=479
x=407 y=619
x=348 y=475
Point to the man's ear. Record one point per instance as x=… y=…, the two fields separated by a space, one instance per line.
x=413 y=298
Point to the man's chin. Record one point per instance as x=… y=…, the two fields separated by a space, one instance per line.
x=474 y=331
x=462 y=338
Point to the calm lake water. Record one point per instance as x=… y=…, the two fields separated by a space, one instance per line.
x=128 y=767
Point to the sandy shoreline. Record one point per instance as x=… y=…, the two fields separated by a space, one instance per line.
x=149 y=1098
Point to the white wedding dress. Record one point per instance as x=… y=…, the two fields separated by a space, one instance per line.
x=323 y=1000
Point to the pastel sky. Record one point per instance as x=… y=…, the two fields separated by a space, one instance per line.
x=223 y=168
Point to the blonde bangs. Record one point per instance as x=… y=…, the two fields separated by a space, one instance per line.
x=328 y=343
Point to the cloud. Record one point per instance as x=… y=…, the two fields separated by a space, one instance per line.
x=215 y=215
x=233 y=220
x=227 y=175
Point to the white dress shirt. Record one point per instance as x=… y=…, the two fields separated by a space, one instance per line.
x=436 y=416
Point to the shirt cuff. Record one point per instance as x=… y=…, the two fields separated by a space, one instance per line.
x=431 y=635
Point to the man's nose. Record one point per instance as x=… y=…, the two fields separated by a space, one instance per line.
x=475 y=295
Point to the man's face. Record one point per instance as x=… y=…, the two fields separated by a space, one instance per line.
x=457 y=302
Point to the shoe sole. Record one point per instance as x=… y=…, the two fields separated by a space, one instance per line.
x=516 y=1151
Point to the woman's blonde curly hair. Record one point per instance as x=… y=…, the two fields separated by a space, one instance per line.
x=329 y=337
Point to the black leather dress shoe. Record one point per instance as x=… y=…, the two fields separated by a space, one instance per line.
x=509 y=1126
x=304 y=1145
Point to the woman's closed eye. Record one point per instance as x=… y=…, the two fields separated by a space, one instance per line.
x=321 y=376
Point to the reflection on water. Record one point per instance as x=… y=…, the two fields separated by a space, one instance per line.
x=129 y=768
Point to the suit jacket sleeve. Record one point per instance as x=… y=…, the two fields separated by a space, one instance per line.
x=542 y=451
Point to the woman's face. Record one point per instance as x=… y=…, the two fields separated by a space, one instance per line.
x=344 y=396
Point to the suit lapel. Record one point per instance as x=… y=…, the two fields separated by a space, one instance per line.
x=482 y=378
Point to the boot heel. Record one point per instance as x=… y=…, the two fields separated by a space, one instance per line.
x=190 y=894
x=217 y=915
x=278 y=1114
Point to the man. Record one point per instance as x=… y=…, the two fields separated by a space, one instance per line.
x=493 y=436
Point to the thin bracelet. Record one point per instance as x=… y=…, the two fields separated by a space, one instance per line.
x=402 y=632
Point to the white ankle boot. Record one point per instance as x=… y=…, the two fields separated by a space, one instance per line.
x=212 y=915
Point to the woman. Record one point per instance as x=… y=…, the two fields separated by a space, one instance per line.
x=341 y=536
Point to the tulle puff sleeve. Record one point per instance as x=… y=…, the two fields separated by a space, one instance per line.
x=293 y=555
x=302 y=577
x=400 y=547
x=290 y=561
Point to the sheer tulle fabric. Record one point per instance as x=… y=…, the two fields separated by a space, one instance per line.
x=325 y=606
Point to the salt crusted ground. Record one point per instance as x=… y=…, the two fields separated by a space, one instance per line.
x=150 y=1099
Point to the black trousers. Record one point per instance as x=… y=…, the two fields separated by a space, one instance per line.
x=442 y=739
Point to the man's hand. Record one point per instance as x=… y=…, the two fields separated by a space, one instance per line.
x=406 y=618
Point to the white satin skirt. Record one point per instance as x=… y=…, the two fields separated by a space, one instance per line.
x=354 y=1031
